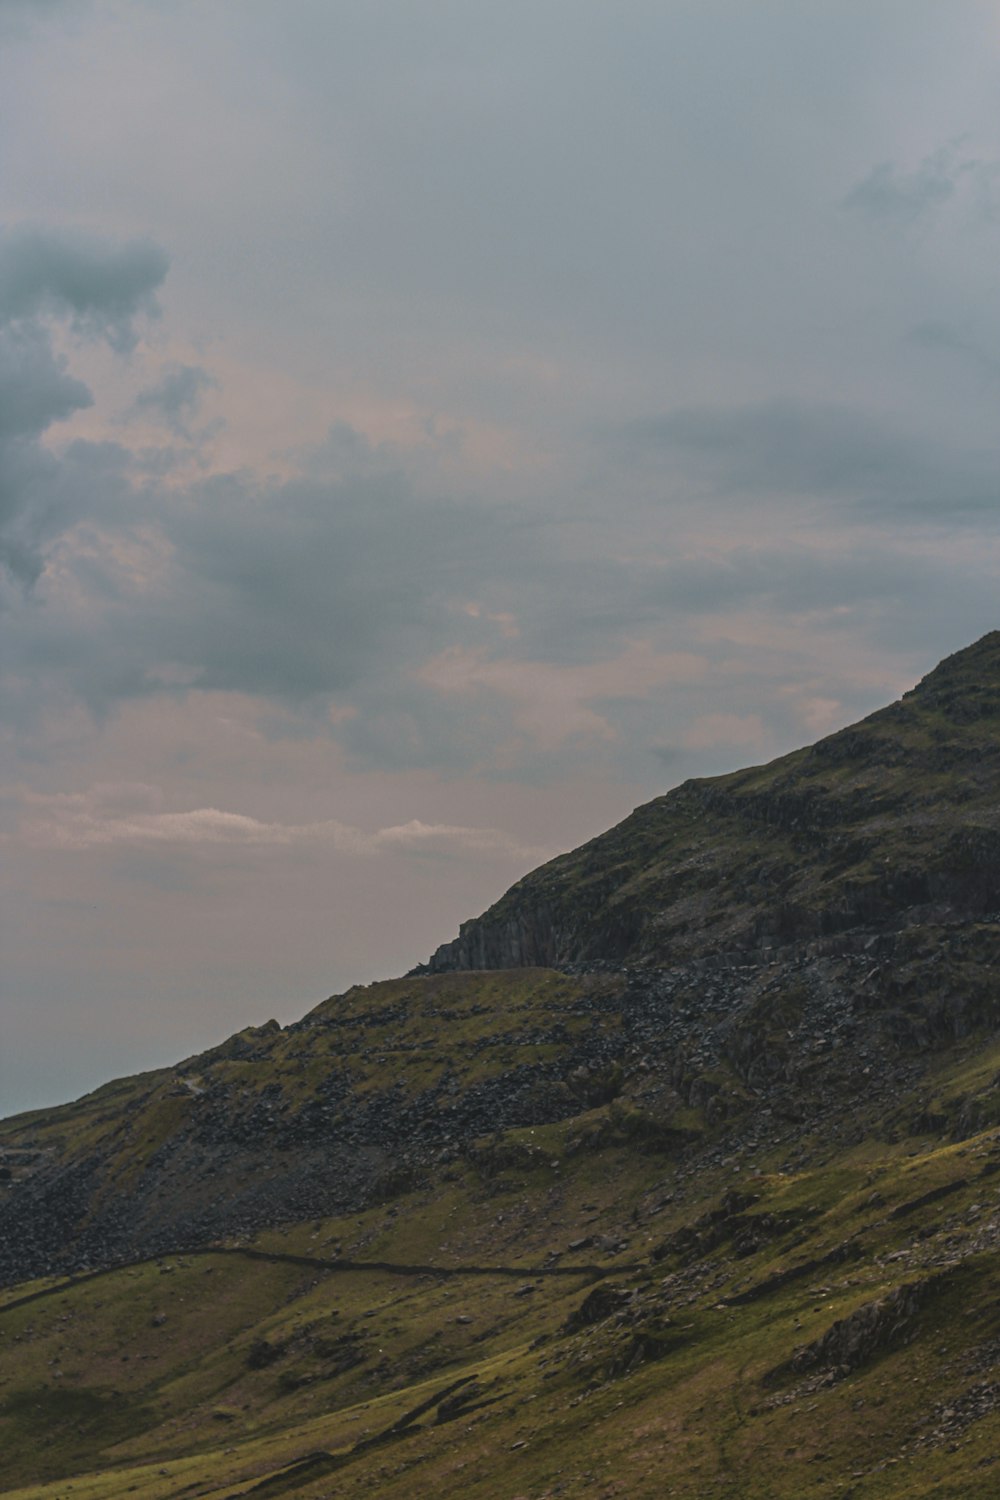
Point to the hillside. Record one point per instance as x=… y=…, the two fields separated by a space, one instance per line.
x=890 y=822
x=675 y=1173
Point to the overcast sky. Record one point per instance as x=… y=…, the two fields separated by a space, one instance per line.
x=429 y=429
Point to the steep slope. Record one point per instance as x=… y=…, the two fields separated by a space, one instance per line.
x=888 y=823
x=707 y=1206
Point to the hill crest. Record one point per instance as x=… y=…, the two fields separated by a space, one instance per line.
x=837 y=836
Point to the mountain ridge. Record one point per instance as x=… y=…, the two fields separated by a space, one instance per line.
x=825 y=790
x=704 y=1203
x=871 y=856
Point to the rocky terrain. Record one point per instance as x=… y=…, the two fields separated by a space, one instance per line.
x=676 y=1172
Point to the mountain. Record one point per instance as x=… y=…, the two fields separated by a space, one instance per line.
x=891 y=821
x=675 y=1173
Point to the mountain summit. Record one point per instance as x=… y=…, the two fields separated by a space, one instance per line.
x=674 y=1173
x=888 y=823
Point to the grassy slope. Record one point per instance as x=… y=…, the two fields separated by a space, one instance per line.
x=145 y=1377
x=469 y=1027
x=208 y=1374
x=421 y=1043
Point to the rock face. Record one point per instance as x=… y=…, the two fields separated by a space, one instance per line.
x=872 y=1328
x=891 y=822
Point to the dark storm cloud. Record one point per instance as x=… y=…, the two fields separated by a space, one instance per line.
x=827 y=452
x=100 y=290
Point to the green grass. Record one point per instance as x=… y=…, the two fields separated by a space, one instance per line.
x=689 y=1415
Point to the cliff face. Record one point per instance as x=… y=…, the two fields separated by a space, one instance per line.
x=892 y=821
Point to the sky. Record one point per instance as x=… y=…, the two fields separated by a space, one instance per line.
x=429 y=429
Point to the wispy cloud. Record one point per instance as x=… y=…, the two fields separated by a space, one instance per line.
x=130 y=816
x=907 y=196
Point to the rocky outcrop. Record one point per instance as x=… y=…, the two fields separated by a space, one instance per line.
x=871 y=1329
x=530 y=934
